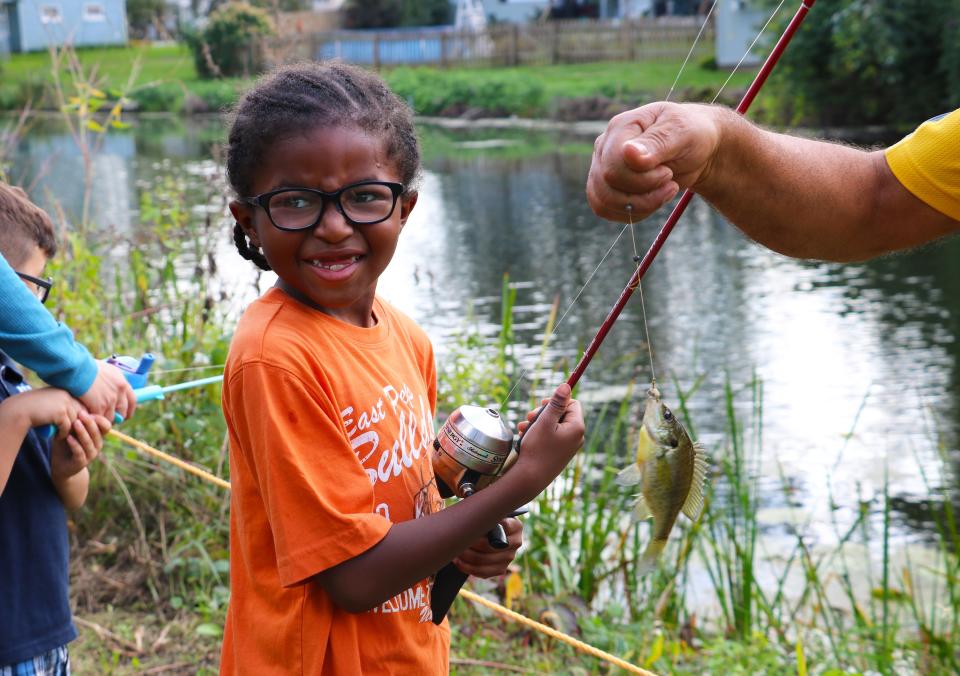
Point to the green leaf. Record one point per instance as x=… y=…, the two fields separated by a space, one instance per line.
x=93 y=125
x=208 y=629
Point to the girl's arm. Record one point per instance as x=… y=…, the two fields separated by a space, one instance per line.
x=413 y=550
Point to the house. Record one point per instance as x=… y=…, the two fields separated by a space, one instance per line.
x=33 y=25
x=738 y=23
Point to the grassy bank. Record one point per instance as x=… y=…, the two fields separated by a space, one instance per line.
x=165 y=80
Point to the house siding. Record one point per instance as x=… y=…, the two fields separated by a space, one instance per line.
x=77 y=22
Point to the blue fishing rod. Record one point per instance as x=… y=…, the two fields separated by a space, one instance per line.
x=136 y=372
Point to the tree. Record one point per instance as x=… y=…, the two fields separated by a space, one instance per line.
x=397 y=13
x=857 y=62
x=231 y=44
x=141 y=14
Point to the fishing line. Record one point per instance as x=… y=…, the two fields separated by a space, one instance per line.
x=703 y=26
x=747 y=53
x=643 y=307
x=190 y=368
x=685 y=199
x=565 y=312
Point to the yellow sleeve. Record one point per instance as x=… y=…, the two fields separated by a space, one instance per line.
x=927 y=163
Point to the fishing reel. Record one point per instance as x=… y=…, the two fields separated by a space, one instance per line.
x=473 y=447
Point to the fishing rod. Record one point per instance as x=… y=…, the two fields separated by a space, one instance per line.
x=684 y=201
x=475 y=446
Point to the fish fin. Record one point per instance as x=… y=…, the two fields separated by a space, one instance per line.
x=629 y=475
x=650 y=556
x=640 y=509
x=693 y=505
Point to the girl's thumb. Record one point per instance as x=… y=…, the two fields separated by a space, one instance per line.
x=557 y=404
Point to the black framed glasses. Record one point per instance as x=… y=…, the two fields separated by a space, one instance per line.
x=362 y=203
x=42 y=285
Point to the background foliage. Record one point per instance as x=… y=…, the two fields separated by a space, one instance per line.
x=230 y=45
x=860 y=62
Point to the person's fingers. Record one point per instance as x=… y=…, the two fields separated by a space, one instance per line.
x=76 y=449
x=81 y=433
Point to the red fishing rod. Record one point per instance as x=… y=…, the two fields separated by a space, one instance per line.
x=681 y=206
x=473 y=445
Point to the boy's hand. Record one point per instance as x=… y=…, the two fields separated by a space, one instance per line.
x=78 y=450
x=46 y=406
x=110 y=393
x=482 y=560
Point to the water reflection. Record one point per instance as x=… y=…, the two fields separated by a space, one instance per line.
x=859 y=363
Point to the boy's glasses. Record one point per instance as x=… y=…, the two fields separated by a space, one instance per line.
x=363 y=203
x=42 y=285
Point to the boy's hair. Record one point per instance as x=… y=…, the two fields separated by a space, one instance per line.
x=23 y=225
x=299 y=98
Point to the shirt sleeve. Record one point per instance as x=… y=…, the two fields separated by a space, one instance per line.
x=31 y=336
x=318 y=498
x=927 y=163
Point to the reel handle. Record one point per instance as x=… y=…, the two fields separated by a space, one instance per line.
x=449 y=579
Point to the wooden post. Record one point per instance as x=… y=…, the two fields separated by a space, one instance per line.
x=443 y=50
x=555 y=43
x=515 y=45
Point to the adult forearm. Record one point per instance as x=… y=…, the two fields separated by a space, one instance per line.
x=800 y=197
x=30 y=335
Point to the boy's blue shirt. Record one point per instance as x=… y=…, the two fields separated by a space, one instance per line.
x=30 y=335
x=34 y=552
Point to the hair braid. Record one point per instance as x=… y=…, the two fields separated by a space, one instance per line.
x=248 y=252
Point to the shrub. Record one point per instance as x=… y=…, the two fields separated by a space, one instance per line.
x=231 y=44
x=158 y=98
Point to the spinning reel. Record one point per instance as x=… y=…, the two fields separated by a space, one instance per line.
x=473 y=447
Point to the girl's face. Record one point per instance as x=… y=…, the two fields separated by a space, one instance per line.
x=334 y=266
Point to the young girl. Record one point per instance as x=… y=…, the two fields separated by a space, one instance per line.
x=336 y=523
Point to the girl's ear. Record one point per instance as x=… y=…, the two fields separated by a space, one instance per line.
x=243 y=214
x=407 y=203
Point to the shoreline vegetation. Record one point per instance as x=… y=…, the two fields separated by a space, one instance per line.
x=152 y=79
x=149 y=553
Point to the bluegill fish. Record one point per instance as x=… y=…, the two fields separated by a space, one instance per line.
x=670 y=469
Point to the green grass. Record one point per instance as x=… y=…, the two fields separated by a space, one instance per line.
x=112 y=64
x=167 y=81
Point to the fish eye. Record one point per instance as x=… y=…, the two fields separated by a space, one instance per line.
x=667 y=415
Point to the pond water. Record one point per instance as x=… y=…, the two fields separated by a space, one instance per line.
x=859 y=363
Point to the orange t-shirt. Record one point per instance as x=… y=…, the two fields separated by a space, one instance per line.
x=330 y=426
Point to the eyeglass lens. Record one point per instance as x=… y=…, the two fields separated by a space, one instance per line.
x=296 y=209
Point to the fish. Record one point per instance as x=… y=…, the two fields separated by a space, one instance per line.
x=670 y=469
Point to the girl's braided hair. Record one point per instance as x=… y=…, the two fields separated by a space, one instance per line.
x=296 y=99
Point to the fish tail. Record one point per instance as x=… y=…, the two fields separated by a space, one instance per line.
x=650 y=555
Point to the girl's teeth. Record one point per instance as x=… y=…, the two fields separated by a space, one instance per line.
x=335 y=266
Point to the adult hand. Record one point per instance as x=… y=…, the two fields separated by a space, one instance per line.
x=648 y=154
x=482 y=560
x=110 y=393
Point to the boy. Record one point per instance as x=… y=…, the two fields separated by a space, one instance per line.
x=38 y=478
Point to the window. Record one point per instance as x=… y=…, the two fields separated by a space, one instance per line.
x=50 y=14
x=94 y=12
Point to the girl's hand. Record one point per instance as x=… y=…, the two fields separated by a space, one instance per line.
x=78 y=450
x=548 y=445
x=46 y=406
x=482 y=560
